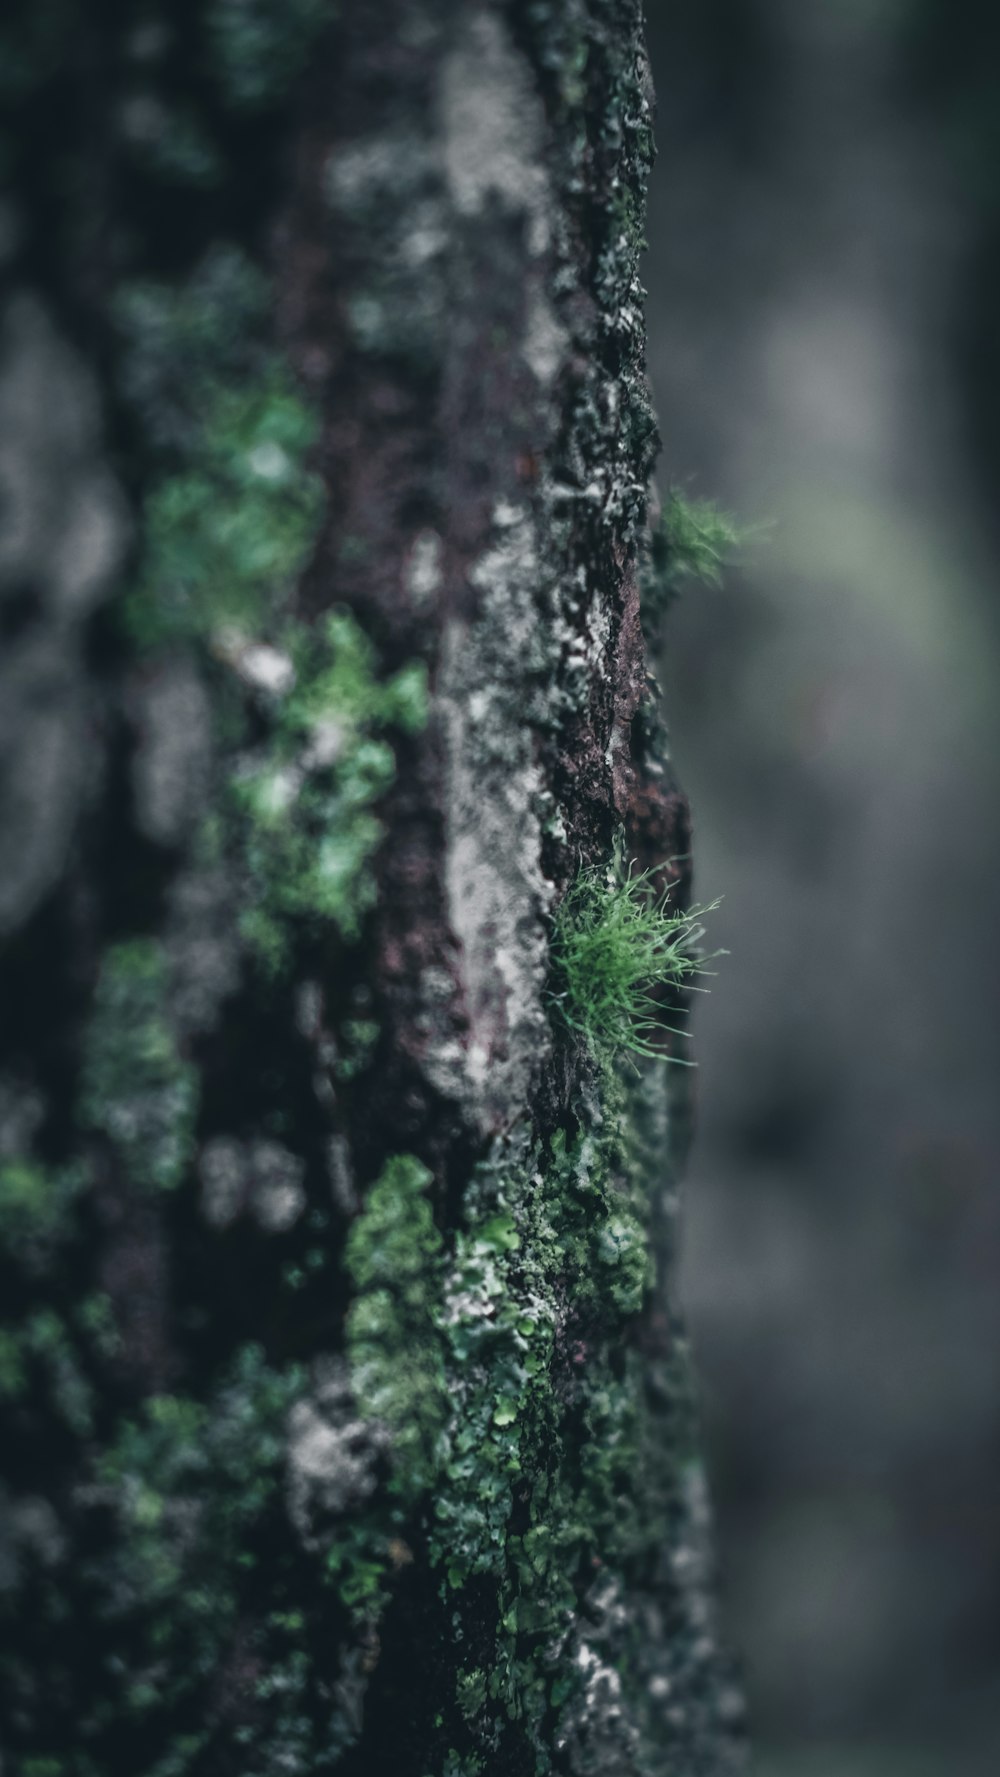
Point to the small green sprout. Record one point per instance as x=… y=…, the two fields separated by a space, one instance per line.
x=700 y=538
x=616 y=944
x=694 y=540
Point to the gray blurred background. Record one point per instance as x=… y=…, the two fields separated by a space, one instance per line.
x=824 y=277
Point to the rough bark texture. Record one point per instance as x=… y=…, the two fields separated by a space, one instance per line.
x=346 y=1410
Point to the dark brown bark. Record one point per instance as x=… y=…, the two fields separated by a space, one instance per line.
x=350 y=1410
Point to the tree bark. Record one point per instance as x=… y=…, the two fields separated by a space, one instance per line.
x=346 y=1408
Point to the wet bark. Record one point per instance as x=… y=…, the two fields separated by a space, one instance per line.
x=347 y=1408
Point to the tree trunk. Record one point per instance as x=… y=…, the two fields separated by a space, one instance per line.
x=346 y=1410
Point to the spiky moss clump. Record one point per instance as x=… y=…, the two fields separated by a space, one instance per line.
x=700 y=538
x=694 y=540
x=617 y=944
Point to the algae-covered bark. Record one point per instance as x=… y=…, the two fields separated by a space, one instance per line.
x=346 y=1413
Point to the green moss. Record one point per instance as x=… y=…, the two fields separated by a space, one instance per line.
x=551 y=1241
x=695 y=540
x=470 y=1693
x=136 y=1088
x=13 y=1378
x=178 y=342
x=462 y=1765
x=616 y=946
x=229 y=523
x=193 y=1484
x=228 y=527
x=49 y=1353
x=307 y=826
x=257 y=47
x=227 y=535
x=357 y=1040
x=180 y=149
x=394 y=1259
x=464 y=1358
x=36 y=1209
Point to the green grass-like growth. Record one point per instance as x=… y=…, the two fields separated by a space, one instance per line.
x=617 y=944
x=700 y=539
x=695 y=540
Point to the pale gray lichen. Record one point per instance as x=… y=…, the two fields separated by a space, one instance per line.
x=260 y=1178
x=546 y=340
x=21 y=1112
x=222 y=1172
x=493 y=134
x=170 y=767
x=63 y=540
x=493 y=127
x=340 y=1174
x=497 y=893
x=422 y=571
x=202 y=946
x=29 y=1532
x=277 y=1194
x=332 y=1454
x=360 y=176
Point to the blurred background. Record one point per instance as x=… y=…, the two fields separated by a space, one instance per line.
x=824 y=277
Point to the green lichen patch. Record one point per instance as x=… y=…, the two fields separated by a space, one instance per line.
x=186 y=1641
x=40 y=1363
x=192 y=1484
x=178 y=342
x=540 y=1456
x=617 y=945
x=36 y=1209
x=257 y=47
x=226 y=536
x=516 y=1432
x=394 y=1259
x=230 y=521
x=136 y=1087
x=307 y=826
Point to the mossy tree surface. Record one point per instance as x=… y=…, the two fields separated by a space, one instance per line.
x=346 y=1413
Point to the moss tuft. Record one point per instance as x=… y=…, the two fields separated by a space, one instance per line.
x=617 y=945
x=694 y=540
